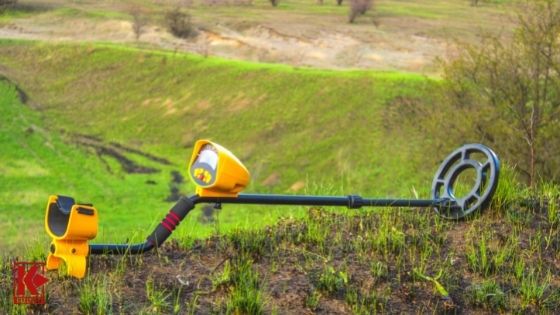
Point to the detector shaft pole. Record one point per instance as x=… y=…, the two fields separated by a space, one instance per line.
x=351 y=201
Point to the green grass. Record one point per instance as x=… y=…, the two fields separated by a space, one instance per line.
x=37 y=162
x=163 y=102
x=322 y=129
x=285 y=268
x=95 y=297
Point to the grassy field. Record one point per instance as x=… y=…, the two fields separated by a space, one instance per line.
x=87 y=97
x=37 y=162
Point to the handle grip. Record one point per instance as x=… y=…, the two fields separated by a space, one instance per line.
x=170 y=222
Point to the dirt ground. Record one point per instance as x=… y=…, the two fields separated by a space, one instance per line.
x=291 y=265
x=295 y=35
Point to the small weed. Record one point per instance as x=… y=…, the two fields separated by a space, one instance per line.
x=192 y=305
x=519 y=269
x=532 y=289
x=389 y=238
x=253 y=243
x=95 y=297
x=487 y=294
x=313 y=299
x=246 y=296
x=158 y=298
x=379 y=270
x=435 y=280
x=550 y=193
x=508 y=190
x=317 y=233
x=332 y=281
x=224 y=277
x=367 y=304
x=176 y=303
x=478 y=257
x=483 y=260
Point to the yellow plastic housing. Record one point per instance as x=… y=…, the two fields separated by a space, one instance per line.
x=71 y=246
x=229 y=177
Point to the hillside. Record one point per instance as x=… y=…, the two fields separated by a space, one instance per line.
x=394 y=35
x=162 y=102
x=151 y=106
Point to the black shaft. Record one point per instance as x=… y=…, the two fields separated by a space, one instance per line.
x=351 y=202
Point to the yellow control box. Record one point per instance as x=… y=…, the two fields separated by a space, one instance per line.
x=70 y=226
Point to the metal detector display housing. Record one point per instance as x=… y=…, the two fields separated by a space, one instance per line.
x=216 y=172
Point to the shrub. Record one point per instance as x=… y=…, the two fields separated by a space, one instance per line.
x=179 y=23
x=511 y=90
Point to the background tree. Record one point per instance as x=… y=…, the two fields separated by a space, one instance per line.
x=513 y=90
x=139 y=22
x=6 y=4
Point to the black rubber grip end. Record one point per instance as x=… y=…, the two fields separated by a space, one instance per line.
x=177 y=213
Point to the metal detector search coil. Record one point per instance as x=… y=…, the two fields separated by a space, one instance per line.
x=487 y=167
x=220 y=177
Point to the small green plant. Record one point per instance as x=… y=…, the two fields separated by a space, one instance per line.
x=389 y=238
x=313 y=299
x=224 y=277
x=95 y=297
x=159 y=298
x=192 y=305
x=332 y=281
x=316 y=233
x=477 y=257
x=252 y=243
x=487 y=294
x=246 y=296
x=519 y=269
x=550 y=194
x=177 y=301
x=435 y=280
x=532 y=289
x=365 y=304
x=379 y=269
x=485 y=261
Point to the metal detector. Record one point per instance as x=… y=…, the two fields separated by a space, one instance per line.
x=220 y=177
